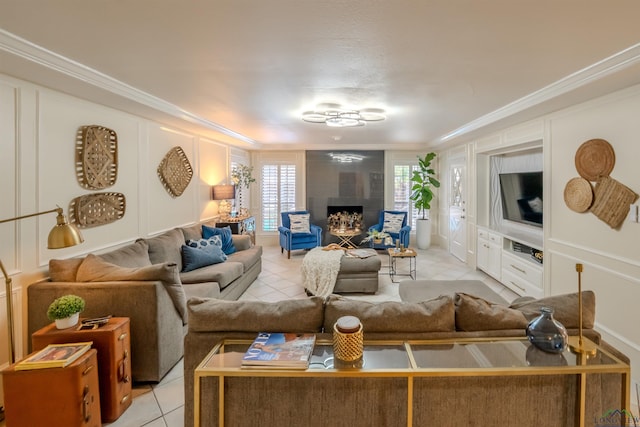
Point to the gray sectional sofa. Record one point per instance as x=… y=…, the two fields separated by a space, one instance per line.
x=470 y=400
x=145 y=282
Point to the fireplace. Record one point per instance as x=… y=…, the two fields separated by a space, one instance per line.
x=344 y=218
x=352 y=187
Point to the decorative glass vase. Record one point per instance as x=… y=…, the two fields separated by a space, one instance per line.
x=547 y=333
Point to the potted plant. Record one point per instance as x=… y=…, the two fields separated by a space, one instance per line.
x=422 y=194
x=376 y=236
x=65 y=311
x=242 y=176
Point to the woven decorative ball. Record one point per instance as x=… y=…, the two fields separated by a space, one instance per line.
x=578 y=194
x=348 y=343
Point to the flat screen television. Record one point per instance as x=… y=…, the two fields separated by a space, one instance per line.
x=521 y=195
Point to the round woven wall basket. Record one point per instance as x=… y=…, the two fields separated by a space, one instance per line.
x=595 y=159
x=578 y=194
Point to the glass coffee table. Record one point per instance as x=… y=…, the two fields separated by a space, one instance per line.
x=387 y=368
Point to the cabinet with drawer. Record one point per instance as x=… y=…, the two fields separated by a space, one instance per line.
x=489 y=248
x=522 y=276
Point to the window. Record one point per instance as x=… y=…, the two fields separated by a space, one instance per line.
x=278 y=193
x=402 y=190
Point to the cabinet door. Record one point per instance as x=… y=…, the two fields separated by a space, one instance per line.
x=494 y=260
x=482 y=259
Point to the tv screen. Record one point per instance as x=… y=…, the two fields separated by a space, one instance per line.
x=521 y=195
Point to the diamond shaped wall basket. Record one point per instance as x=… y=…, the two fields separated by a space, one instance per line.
x=96 y=157
x=175 y=172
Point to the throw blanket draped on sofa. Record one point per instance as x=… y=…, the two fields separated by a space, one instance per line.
x=319 y=271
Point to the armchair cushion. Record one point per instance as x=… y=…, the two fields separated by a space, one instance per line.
x=299 y=223
x=393 y=222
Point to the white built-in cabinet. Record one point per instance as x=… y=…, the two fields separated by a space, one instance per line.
x=503 y=248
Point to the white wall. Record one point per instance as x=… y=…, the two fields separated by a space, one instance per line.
x=611 y=258
x=37 y=172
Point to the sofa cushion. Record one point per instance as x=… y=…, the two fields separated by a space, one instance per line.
x=225 y=233
x=94 y=269
x=64 y=270
x=197 y=257
x=477 y=314
x=247 y=257
x=134 y=255
x=436 y=315
x=166 y=247
x=213 y=315
x=223 y=273
x=565 y=308
x=193 y=232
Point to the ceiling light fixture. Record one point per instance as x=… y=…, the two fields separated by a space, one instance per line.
x=335 y=116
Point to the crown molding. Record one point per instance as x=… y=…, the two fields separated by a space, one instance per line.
x=40 y=56
x=601 y=69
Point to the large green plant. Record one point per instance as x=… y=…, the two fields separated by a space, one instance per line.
x=423 y=179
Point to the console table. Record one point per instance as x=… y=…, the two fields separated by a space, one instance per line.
x=242 y=225
x=433 y=382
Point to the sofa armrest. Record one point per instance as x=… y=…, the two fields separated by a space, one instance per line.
x=156 y=327
x=241 y=241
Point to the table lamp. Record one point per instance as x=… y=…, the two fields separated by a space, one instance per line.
x=223 y=192
x=62 y=235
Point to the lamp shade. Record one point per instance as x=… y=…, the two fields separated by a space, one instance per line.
x=63 y=234
x=223 y=192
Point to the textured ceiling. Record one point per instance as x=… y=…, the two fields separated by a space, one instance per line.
x=249 y=68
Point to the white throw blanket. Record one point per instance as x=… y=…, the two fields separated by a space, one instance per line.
x=320 y=270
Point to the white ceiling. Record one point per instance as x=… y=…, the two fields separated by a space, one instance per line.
x=243 y=69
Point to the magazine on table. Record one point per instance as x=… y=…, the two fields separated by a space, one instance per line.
x=361 y=253
x=54 y=356
x=279 y=350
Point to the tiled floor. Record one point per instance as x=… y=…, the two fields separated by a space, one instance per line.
x=161 y=405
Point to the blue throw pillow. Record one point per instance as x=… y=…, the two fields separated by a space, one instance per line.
x=203 y=243
x=225 y=233
x=194 y=258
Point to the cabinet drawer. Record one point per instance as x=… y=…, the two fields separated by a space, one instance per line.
x=522 y=269
x=495 y=238
x=483 y=234
x=520 y=286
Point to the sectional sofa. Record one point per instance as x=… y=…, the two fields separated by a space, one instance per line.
x=145 y=281
x=541 y=400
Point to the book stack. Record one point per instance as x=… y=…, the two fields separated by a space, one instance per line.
x=279 y=350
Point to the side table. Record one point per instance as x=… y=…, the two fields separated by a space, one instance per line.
x=53 y=397
x=394 y=254
x=113 y=342
x=246 y=225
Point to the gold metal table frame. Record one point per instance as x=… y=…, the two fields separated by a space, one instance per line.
x=417 y=363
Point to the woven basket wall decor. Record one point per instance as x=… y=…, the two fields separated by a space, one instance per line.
x=612 y=200
x=96 y=157
x=578 y=194
x=595 y=159
x=96 y=209
x=175 y=171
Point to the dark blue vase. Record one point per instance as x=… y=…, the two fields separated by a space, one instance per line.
x=546 y=333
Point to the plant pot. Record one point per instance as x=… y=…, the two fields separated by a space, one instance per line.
x=377 y=241
x=68 y=322
x=423 y=233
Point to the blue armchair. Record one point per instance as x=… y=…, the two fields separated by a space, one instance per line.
x=402 y=234
x=291 y=240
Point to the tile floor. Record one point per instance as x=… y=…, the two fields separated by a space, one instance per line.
x=161 y=405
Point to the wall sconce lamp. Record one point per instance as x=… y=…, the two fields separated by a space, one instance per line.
x=223 y=192
x=62 y=235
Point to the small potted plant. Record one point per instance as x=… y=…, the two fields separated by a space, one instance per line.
x=65 y=311
x=376 y=236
